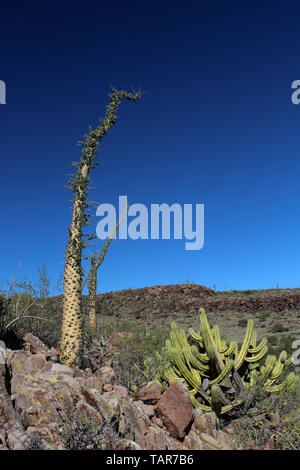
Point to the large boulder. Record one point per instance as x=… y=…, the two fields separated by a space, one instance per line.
x=176 y=409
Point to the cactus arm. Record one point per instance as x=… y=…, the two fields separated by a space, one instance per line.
x=258 y=356
x=216 y=401
x=203 y=357
x=225 y=373
x=209 y=343
x=230 y=407
x=196 y=336
x=246 y=343
x=262 y=344
x=196 y=404
x=237 y=379
x=221 y=345
x=267 y=369
x=287 y=386
x=232 y=349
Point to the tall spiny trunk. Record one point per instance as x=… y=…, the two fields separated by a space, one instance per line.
x=92 y=295
x=71 y=337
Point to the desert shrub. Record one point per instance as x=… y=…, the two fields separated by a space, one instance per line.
x=249 y=432
x=4 y=306
x=35 y=442
x=28 y=308
x=278 y=328
x=288 y=438
x=93 y=348
x=136 y=361
x=140 y=315
x=273 y=340
x=80 y=433
x=279 y=343
x=42 y=318
x=269 y=418
x=263 y=316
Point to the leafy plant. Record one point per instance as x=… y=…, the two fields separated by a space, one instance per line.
x=44 y=282
x=24 y=310
x=288 y=438
x=137 y=361
x=4 y=304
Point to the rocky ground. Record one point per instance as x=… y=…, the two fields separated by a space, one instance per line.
x=48 y=405
x=39 y=398
x=185 y=297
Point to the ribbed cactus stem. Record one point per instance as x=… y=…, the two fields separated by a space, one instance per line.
x=246 y=343
x=210 y=367
x=216 y=401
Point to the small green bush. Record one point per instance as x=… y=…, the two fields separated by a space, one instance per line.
x=273 y=340
x=278 y=328
x=136 y=361
x=4 y=306
x=263 y=316
x=288 y=438
x=279 y=343
x=259 y=424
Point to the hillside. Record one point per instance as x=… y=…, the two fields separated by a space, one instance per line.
x=276 y=312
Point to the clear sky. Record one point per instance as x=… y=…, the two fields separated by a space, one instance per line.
x=216 y=127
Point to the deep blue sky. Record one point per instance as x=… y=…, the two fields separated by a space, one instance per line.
x=217 y=126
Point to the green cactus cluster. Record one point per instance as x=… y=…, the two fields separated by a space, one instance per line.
x=218 y=374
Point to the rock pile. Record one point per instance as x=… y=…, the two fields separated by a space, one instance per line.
x=39 y=396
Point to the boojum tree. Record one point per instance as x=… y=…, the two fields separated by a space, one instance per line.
x=71 y=336
x=96 y=260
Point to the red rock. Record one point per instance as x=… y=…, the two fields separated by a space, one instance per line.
x=107 y=388
x=55 y=351
x=149 y=393
x=176 y=409
x=35 y=345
